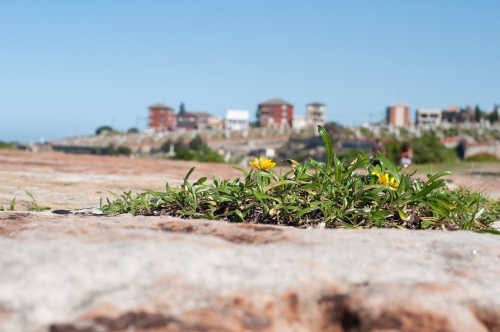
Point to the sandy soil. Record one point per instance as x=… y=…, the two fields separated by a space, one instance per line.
x=71 y=181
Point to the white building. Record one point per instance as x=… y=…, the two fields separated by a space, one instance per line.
x=237 y=120
x=299 y=122
x=429 y=116
x=316 y=114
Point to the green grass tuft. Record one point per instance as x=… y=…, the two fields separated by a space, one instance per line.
x=367 y=193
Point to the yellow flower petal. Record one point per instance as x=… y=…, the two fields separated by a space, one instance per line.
x=262 y=163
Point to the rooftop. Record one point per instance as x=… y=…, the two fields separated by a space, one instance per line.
x=452 y=108
x=238 y=114
x=399 y=103
x=275 y=101
x=195 y=114
x=160 y=106
x=316 y=104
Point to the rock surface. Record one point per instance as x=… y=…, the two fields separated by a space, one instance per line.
x=73 y=181
x=88 y=273
x=78 y=271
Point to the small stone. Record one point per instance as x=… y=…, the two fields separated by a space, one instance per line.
x=495 y=225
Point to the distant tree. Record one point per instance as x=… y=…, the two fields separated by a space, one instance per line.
x=182 y=109
x=197 y=143
x=478 y=113
x=113 y=151
x=123 y=150
x=196 y=150
x=102 y=129
x=493 y=116
x=133 y=130
x=165 y=147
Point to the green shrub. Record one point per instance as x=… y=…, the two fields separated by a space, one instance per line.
x=195 y=150
x=197 y=143
x=426 y=149
x=6 y=145
x=102 y=129
x=165 y=147
x=483 y=156
x=112 y=151
x=133 y=130
x=123 y=150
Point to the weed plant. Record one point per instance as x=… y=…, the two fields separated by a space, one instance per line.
x=367 y=193
x=11 y=207
x=34 y=205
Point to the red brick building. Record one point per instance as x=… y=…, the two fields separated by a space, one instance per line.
x=161 y=117
x=275 y=113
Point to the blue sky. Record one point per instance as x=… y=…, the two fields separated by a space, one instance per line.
x=68 y=67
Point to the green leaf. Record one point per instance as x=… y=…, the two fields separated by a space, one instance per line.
x=239 y=214
x=362 y=158
x=490 y=231
x=337 y=168
x=327 y=140
x=438 y=209
x=478 y=213
x=189 y=173
x=389 y=166
x=201 y=180
x=403 y=215
x=241 y=170
x=402 y=185
x=427 y=189
x=437 y=175
x=278 y=183
x=426 y=224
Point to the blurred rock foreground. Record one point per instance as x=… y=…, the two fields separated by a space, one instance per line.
x=88 y=273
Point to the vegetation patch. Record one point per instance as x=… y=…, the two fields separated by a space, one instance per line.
x=8 y=145
x=195 y=150
x=484 y=156
x=427 y=149
x=366 y=193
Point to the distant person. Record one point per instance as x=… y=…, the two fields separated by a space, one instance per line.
x=461 y=149
x=378 y=147
x=406 y=155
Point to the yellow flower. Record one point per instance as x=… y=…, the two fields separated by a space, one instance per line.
x=384 y=179
x=262 y=164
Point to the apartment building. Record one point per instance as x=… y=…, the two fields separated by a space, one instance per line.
x=398 y=115
x=275 y=113
x=161 y=117
x=429 y=116
x=315 y=114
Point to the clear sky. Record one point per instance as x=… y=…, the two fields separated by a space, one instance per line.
x=68 y=67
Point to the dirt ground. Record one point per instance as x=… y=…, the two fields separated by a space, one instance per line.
x=72 y=181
